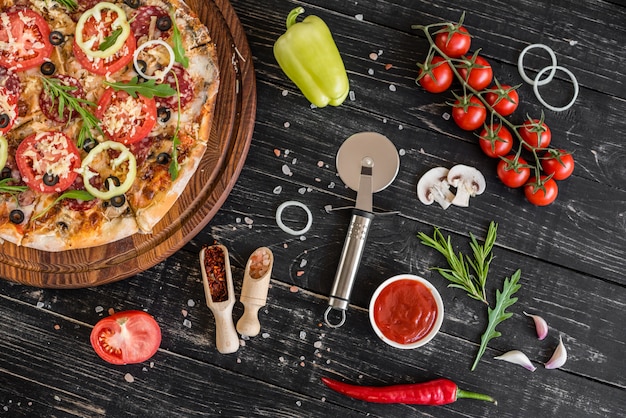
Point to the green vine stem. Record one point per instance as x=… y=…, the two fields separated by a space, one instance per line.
x=470 y=64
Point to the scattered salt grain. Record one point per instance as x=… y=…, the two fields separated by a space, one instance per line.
x=317 y=179
x=402 y=152
x=278 y=189
x=57 y=327
x=302 y=190
x=285 y=245
x=248 y=221
x=277 y=152
x=41 y=305
x=572 y=42
x=287 y=170
x=400 y=127
x=392 y=87
x=302 y=364
x=293 y=289
x=317 y=344
x=238 y=220
x=294 y=161
x=152 y=364
x=313 y=106
x=287 y=152
x=187 y=323
x=331 y=185
x=380 y=52
x=359 y=17
x=281 y=359
x=370 y=71
x=302 y=238
x=302 y=337
x=238 y=360
x=373 y=56
x=285 y=92
x=320 y=164
x=328 y=208
x=384 y=120
x=352 y=96
x=57 y=398
x=303 y=263
x=286 y=124
x=323 y=399
x=191 y=303
x=299 y=403
x=144 y=369
x=445 y=116
x=300 y=273
x=265 y=335
x=327 y=361
x=98 y=309
x=129 y=378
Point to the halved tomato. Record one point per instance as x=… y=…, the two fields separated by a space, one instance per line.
x=110 y=65
x=48 y=161
x=24 y=39
x=124 y=118
x=126 y=337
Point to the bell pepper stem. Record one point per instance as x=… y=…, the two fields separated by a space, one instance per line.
x=465 y=394
x=293 y=15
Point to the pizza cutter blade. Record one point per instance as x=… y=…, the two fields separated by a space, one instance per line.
x=367 y=162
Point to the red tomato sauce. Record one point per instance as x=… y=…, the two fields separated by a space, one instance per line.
x=405 y=311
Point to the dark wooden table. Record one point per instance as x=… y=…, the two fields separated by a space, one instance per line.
x=571 y=253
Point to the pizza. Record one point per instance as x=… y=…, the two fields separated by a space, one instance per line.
x=105 y=114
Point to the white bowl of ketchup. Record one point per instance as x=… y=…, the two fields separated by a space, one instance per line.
x=406 y=311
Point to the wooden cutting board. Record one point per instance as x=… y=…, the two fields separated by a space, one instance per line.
x=207 y=190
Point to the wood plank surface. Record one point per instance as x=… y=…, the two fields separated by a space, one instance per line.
x=571 y=253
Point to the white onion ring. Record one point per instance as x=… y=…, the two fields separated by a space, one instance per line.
x=165 y=70
x=571 y=76
x=520 y=65
x=279 y=220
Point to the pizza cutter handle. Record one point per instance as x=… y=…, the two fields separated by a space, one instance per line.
x=348 y=264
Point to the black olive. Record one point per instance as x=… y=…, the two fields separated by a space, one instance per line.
x=163 y=158
x=118 y=201
x=5 y=173
x=116 y=181
x=50 y=179
x=4 y=120
x=133 y=3
x=48 y=68
x=164 y=23
x=143 y=66
x=16 y=216
x=89 y=144
x=164 y=114
x=56 y=37
x=63 y=226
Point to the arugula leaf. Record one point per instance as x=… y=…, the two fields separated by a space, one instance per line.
x=178 y=48
x=174 y=167
x=70 y=5
x=71 y=194
x=498 y=314
x=5 y=187
x=110 y=40
x=148 y=89
x=59 y=91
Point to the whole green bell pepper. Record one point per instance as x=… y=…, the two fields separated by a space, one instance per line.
x=307 y=54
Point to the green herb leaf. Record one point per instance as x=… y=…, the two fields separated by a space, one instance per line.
x=71 y=194
x=110 y=40
x=70 y=5
x=178 y=48
x=174 y=167
x=465 y=273
x=498 y=314
x=59 y=91
x=148 y=89
x=5 y=187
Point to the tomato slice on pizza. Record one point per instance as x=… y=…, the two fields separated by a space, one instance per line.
x=125 y=118
x=24 y=39
x=48 y=161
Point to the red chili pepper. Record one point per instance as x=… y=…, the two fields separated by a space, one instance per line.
x=435 y=392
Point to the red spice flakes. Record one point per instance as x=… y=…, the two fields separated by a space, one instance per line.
x=215 y=268
x=388 y=66
x=277 y=152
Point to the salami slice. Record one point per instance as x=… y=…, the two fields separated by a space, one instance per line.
x=142 y=19
x=185 y=85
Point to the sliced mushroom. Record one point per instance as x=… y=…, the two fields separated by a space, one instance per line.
x=468 y=181
x=433 y=186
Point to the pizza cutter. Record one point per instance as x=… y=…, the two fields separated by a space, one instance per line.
x=367 y=162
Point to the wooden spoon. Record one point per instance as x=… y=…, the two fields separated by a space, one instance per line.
x=214 y=262
x=256 y=280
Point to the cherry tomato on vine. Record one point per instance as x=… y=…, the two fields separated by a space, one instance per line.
x=454 y=41
x=535 y=134
x=126 y=337
x=541 y=195
x=504 y=100
x=513 y=173
x=436 y=77
x=558 y=163
x=495 y=141
x=479 y=74
x=469 y=114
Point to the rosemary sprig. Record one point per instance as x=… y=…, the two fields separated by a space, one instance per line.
x=498 y=314
x=70 y=5
x=464 y=272
x=148 y=89
x=59 y=91
x=71 y=194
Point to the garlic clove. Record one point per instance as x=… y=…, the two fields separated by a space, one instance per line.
x=517 y=357
x=559 y=357
x=540 y=324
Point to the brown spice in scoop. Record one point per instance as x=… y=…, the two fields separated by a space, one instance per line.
x=215 y=268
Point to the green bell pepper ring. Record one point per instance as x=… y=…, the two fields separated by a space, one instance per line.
x=308 y=55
